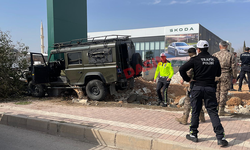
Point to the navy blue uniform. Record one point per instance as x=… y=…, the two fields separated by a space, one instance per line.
x=206 y=68
x=245 y=68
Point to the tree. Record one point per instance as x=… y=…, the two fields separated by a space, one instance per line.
x=12 y=59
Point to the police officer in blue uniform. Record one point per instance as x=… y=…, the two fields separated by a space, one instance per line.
x=245 y=67
x=206 y=67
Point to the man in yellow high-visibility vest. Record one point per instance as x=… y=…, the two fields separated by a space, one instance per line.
x=166 y=72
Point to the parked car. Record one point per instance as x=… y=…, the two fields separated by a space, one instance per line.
x=179 y=48
x=93 y=66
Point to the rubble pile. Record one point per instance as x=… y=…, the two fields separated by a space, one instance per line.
x=176 y=79
x=144 y=92
x=238 y=105
x=234 y=101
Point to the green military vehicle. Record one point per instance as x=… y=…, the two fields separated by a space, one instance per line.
x=101 y=65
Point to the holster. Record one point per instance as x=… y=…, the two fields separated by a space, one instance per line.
x=191 y=87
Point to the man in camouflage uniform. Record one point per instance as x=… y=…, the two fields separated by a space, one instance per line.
x=228 y=71
x=187 y=105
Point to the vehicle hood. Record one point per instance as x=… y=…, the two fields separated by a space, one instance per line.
x=184 y=47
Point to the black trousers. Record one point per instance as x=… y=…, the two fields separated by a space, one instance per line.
x=162 y=83
x=244 y=70
x=208 y=94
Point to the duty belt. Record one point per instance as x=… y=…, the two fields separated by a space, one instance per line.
x=163 y=77
x=246 y=65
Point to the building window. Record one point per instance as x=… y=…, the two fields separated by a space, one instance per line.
x=157 y=45
x=152 y=45
x=143 y=55
x=147 y=46
x=142 y=46
x=137 y=46
x=162 y=45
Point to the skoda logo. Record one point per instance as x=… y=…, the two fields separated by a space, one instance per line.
x=181 y=29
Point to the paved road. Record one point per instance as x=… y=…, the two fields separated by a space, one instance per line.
x=12 y=138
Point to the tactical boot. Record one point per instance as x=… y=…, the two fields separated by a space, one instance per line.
x=183 y=119
x=165 y=105
x=222 y=112
x=202 y=116
x=192 y=137
x=223 y=142
x=239 y=90
x=158 y=103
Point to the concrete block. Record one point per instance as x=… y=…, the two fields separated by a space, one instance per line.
x=37 y=124
x=90 y=135
x=164 y=144
x=53 y=127
x=3 y=118
x=105 y=137
x=17 y=121
x=128 y=142
x=71 y=131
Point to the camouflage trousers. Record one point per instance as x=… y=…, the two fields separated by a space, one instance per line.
x=187 y=105
x=223 y=85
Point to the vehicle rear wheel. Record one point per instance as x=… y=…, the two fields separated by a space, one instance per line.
x=36 y=90
x=96 y=90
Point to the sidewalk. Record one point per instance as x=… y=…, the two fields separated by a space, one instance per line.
x=132 y=128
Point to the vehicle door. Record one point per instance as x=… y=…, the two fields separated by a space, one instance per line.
x=74 y=68
x=39 y=68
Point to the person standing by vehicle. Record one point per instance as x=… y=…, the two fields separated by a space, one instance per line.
x=166 y=72
x=236 y=63
x=245 y=67
x=206 y=68
x=228 y=70
x=187 y=106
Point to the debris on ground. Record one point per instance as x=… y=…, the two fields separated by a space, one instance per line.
x=234 y=101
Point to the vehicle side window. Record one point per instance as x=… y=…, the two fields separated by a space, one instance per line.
x=75 y=58
x=103 y=55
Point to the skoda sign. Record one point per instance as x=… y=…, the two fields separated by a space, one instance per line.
x=182 y=29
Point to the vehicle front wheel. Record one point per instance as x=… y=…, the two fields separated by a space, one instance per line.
x=176 y=53
x=36 y=90
x=96 y=90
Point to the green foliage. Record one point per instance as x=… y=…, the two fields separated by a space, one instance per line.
x=12 y=59
x=23 y=103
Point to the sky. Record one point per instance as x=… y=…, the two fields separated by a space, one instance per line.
x=228 y=19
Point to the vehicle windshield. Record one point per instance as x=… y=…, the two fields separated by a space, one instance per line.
x=181 y=44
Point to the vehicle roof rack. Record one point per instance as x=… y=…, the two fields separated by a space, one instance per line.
x=91 y=40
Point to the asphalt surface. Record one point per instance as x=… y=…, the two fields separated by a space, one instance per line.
x=12 y=138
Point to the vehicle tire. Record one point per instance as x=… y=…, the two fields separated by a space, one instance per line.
x=175 y=53
x=96 y=90
x=136 y=59
x=36 y=90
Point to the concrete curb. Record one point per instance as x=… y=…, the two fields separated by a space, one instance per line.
x=103 y=137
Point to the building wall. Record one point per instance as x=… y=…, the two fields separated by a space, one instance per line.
x=149 y=47
x=213 y=40
x=150 y=42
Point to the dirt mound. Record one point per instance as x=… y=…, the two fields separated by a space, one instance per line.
x=246 y=102
x=175 y=91
x=234 y=101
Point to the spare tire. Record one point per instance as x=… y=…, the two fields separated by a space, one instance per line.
x=136 y=59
